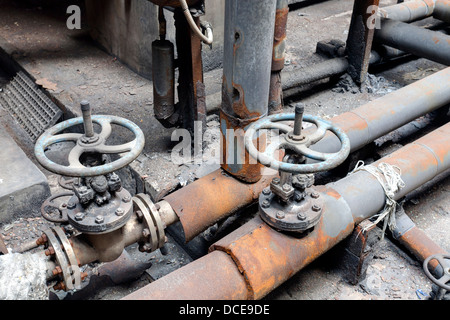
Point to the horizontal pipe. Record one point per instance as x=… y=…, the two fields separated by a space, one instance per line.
x=442 y=10
x=421 y=42
x=409 y=11
x=266 y=258
x=217 y=196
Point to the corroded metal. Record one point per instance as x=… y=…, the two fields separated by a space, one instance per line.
x=213 y=277
x=360 y=37
x=212 y=198
x=265 y=258
x=246 y=79
x=421 y=42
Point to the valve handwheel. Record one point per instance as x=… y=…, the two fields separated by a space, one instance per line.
x=89 y=142
x=297 y=142
x=444 y=262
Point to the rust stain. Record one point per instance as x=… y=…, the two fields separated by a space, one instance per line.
x=421 y=245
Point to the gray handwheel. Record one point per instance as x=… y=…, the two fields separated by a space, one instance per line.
x=89 y=142
x=444 y=262
x=292 y=139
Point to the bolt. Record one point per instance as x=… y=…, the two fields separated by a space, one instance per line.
x=298 y=197
x=71 y=205
x=286 y=187
x=267 y=192
x=157 y=206
x=265 y=204
x=60 y=286
x=84 y=276
x=276 y=180
x=57 y=271
x=301 y=216
x=140 y=215
x=146 y=233
x=280 y=215
x=126 y=199
x=316 y=208
x=315 y=195
x=79 y=216
x=42 y=240
x=120 y=212
x=50 y=251
x=99 y=219
x=83 y=189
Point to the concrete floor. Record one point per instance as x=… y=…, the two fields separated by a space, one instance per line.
x=39 y=42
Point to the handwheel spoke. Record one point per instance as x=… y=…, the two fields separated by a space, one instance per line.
x=318 y=135
x=74 y=157
x=106 y=128
x=274 y=146
x=64 y=137
x=284 y=128
x=307 y=152
x=126 y=147
x=444 y=279
x=441 y=261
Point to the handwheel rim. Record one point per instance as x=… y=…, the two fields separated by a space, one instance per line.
x=331 y=163
x=46 y=140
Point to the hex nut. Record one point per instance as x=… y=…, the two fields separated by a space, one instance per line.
x=316 y=208
x=79 y=216
x=280 y=215
x=120 y=212
x=99 y=219
x=265 y=204
x=315 y=195
x=267 y=192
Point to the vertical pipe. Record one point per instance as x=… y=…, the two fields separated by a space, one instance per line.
x=278 y=57
x=248 y=47
x=360 y=37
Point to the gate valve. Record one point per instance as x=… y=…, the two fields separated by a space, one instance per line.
x=99 y=203
x=291 y=203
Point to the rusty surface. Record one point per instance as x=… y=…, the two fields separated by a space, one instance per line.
x=420 y=245
x=279 y=41
x=3 y=249
x=360 y=37
x=275 y=93
x=212 y=198
x=267 y=258
x=212 y=277
x=235 y=158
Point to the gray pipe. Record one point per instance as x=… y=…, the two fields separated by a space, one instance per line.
x=421 y=42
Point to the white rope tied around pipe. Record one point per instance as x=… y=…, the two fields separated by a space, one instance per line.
x=206 y=39
x=389 y=176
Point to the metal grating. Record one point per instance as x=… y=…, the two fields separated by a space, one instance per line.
x=34 y=111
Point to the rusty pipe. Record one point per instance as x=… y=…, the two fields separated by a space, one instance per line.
x=218 y=195
x=278 y=57
x=421 y=42
x=266 y=258
x=409 y=11
x=415 y=240
x=442 y=10
x=246 y=80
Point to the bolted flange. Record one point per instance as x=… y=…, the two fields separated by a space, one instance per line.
x=297 y=215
